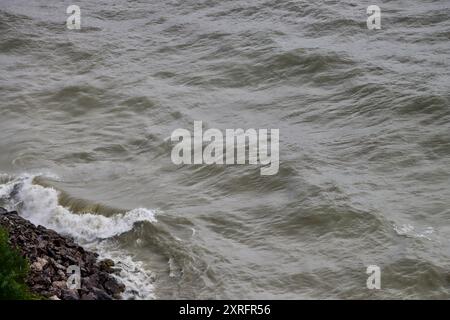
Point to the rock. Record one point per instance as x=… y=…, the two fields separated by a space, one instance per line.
x=101 y=294
x=69 y=295
x=54 y=298
x=59 y=284
x=106 y=265
x=39 y=264
x=58 y=266
x=54 y=292
x=61 y=275
x=51 y=252
x=72 y=260
x=88 y=296
x=114 y=287
x=117 y=296
x=42 y=279
x=90 y=282
x=116 y=271
x=107 y=262
x=4 y=211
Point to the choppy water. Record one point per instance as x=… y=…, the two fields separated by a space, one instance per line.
x=364 y=119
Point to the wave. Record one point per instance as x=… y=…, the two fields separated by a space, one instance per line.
x=96 y=232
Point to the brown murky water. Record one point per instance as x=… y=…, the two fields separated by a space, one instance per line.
x=364 y=118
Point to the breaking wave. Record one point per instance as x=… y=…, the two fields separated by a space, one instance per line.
x=40 y=205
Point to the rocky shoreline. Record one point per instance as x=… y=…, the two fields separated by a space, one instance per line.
x=50 y=255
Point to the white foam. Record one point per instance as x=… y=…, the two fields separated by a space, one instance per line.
x=40 y=205
x=410 y=231
x=5 y=190
x=137 y=280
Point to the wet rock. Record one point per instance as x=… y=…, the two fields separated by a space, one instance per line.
x=101 y=294
x=88 y=296
x=69 y=295
x=116 y=271
x=113 y=286
x=90 y=282
x=107 y=265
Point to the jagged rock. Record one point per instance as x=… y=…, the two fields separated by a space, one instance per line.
x=88 y=296
x=59 y=284
x=51 y=254
x=101 y=294
x=39 y=264
x=57 y=265
x=116 y=271
x=106 y=265
x=90 y=282
x=43 y=280
x=113 y=286
x=69 y=295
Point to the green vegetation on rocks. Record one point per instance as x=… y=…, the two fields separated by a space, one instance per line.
x=13 y=272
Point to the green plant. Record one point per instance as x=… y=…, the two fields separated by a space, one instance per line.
x=13 y=272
